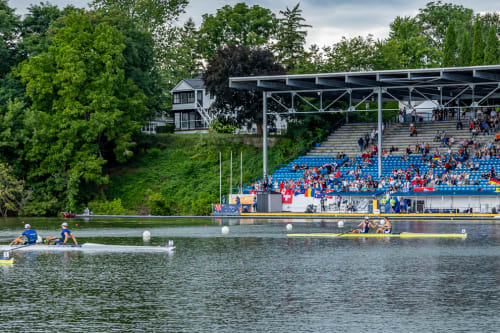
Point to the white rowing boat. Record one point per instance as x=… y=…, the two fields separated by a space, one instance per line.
x=87 y=247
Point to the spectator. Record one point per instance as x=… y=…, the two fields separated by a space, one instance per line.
x=360 y=144
x=413 y=115
x=413 y=130
x=459 y=125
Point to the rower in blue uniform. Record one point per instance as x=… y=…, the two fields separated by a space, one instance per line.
x=29 y=236
x=65 y=235
x=364 y=227
x=386 y=228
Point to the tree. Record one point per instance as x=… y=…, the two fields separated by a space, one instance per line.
x=238 y=25
x=12 y=192
x=465 y=55
x=411 y=47
x=244 y=107
x=149 y=15
x=436 y=17
x=35 y=28
x=491 y=53
x=477 y=45
x=178 y=56
x=84 y=110
x=355 y=54
x=291 y=37
x=9 y=32
x=450 y=47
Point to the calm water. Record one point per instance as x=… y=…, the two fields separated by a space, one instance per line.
x=254 y=279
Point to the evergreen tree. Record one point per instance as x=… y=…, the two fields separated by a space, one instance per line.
x=477 y=45
x=465 y=55
x=450 y=47
x=492 y=45
x=291 y=37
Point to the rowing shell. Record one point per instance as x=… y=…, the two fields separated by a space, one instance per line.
x=4 y=261
x=88 y=247
x=401 y=235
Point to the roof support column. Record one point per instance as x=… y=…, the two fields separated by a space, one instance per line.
x=264 y=132
x=379 y=132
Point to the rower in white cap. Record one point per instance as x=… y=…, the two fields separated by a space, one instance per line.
x=65 y=234
x=29 y=236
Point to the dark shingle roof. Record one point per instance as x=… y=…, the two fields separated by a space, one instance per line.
x=196 y=83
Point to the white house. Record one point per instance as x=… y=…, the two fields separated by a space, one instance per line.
x=191 y=104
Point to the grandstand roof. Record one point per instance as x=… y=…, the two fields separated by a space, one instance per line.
x=432 y=83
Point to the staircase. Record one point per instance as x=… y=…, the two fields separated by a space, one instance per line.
x=345 y=139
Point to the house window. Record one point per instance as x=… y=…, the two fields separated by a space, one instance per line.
x=184 y=97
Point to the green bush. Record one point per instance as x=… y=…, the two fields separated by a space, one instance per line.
x=202 y=206
x=218 y=126
x=107 y=207
x=158 y=205
x=154 y=152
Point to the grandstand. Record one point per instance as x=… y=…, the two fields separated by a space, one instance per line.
x=468 y=168
x=345 y=139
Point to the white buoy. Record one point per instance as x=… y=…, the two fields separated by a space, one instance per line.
x=146 y=236
x=225 y=230
x=289 y=227
x=340 y=224
x=39 y=239
x=382 y=221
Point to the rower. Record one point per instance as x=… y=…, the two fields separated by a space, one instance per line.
x=65 y=234
x=364 y=226
x=29 y=236
x=386 y=228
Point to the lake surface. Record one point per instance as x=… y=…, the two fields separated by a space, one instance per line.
x=254 y=279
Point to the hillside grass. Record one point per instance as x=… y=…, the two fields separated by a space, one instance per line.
x=179 y=175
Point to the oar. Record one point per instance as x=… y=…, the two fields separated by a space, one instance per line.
x=20 y=247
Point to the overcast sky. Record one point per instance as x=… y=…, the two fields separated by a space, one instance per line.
x=331 y=19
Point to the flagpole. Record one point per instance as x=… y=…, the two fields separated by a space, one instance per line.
x=241 y=172
x=231 y=176
x=220 y=178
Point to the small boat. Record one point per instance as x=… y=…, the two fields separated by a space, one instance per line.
x=86 y=247
x=395 y=235
x=68 y=215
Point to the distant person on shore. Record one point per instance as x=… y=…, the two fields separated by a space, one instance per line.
x=255 y=204
x=29 y=236
x=65 y=235
x=224 y=200
x=364 y=227
x=386 y=228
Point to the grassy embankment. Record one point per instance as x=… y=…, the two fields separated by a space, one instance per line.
x=180 y=175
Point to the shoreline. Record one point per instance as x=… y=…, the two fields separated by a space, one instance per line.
x=356 y=216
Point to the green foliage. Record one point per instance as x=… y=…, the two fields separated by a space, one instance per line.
x=221 y=126
x=491 y=53
x=84 y=111
x=291 y=37
x=202 y=205
x=148 y=14
x=465 y=55
x=189 y=165
x=239 y=25
x=113 y=207
x=450 y=47
x=9 y=30
x=437 y=16
x=355 y=54
x=12 y=192
x=158 y=205
x=477 y=45
x=238 y=61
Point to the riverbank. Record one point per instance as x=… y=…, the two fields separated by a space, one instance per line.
x=354 y=216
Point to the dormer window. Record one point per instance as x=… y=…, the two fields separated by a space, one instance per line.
x=184 y=97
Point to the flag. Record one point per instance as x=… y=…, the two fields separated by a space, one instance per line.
x=310 y=192
x=423 y=189
x=494 y=181
x=287 y=198
x=299 y=192
x=328 y=190
x=319 y=194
